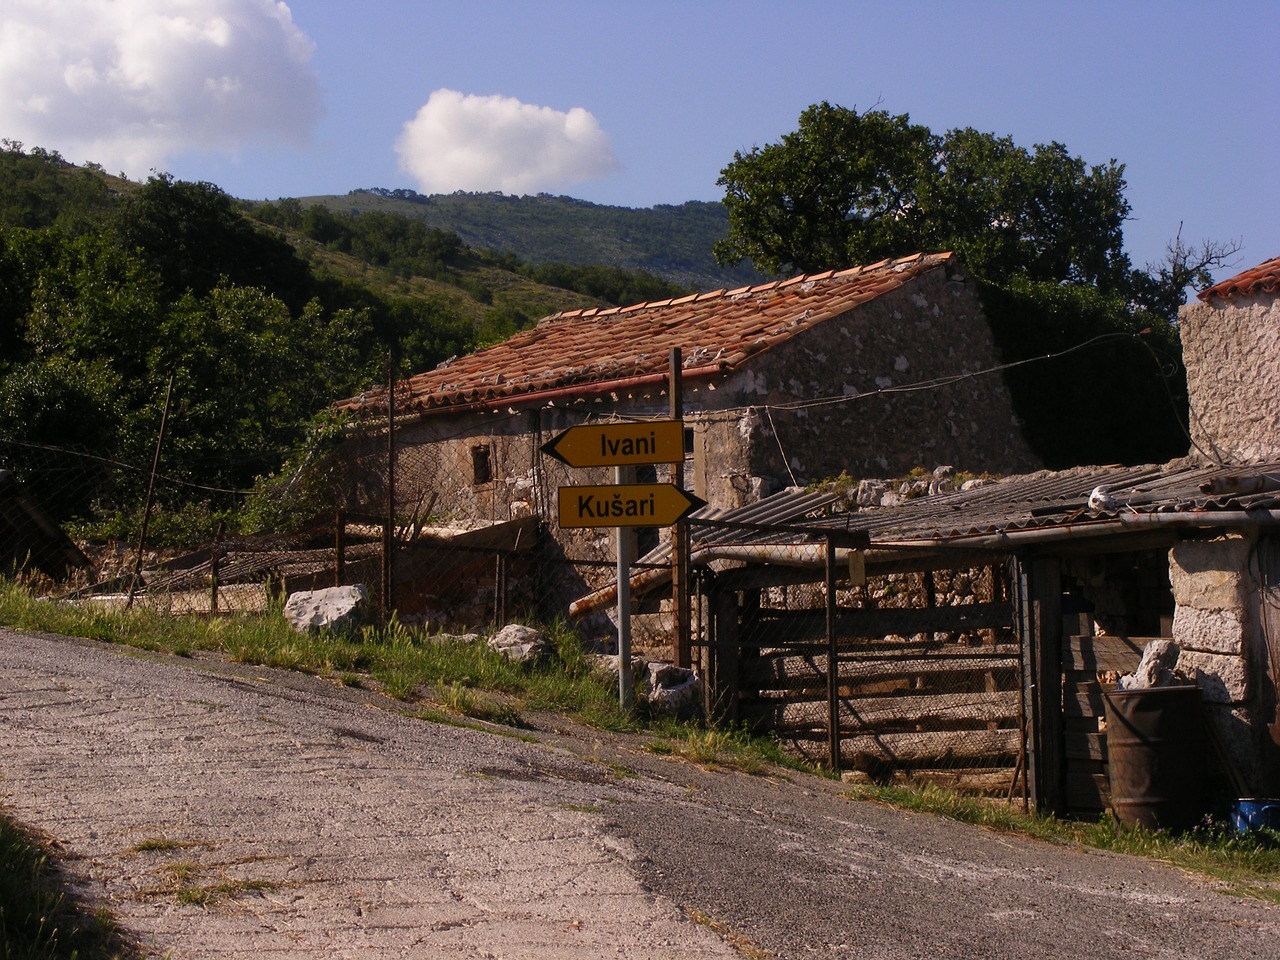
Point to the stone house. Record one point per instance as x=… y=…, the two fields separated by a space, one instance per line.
x=1227 y=589
x=870 y=371
x=784 y=383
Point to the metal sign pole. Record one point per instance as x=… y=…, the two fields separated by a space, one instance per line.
x=624 y=607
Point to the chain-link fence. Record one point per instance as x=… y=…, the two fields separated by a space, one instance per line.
x=904 y=674
x=327 y=523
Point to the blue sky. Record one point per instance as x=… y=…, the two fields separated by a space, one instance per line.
x=637 y=104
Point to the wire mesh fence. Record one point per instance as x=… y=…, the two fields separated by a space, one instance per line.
x=438 y=538
x=913 y=675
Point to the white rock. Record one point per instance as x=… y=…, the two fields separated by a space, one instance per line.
x=334 y=608
x=519 y=643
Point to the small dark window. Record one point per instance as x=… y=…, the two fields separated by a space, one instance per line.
x=481 y=464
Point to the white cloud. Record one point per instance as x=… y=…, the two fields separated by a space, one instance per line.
x=129 y=83
x=464 y=142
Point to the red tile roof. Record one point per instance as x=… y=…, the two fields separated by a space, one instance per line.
x=586 y=351
x=1264 y=278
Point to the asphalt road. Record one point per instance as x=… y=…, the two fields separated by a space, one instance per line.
x=315 y=820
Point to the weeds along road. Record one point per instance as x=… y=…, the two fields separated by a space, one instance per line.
x=231 y=811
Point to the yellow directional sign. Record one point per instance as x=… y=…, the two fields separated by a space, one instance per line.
x=619 y=444
x=625 y=505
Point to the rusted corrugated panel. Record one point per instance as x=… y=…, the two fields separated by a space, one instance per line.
x=1042 y=500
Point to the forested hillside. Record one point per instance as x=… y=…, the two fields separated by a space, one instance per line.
x=673 y=242
x=114 y=295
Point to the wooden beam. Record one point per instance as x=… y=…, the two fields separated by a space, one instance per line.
x=796 y=713
x=1040 y=586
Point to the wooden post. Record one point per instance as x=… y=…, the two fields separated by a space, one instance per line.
x=680 y=608
x=833 y=664
x=389 y=524
x=1040 y=619
x=719 y=648
x=623 y=544
x=151 y=489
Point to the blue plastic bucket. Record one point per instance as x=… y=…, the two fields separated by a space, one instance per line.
x=1254 y=814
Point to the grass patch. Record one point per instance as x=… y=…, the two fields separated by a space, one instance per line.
x=733 y=749
x=209 y=894
x=404 y=664
x=39 y=919
x=1246 y=864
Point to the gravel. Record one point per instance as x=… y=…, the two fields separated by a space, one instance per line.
x=222 y=810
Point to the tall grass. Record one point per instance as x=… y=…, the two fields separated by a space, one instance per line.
x=39 y=920
x=405 y=664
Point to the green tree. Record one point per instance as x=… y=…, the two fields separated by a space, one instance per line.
x=848 y=188
x=842 y=189
x=1041 y=230
x=194 y=237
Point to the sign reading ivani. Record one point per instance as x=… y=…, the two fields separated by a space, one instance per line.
x=619 y=444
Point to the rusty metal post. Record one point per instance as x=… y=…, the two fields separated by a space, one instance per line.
x=500 y=590
x=339 y=548
x=151 y=489
x=213 y=569
x=833 y=665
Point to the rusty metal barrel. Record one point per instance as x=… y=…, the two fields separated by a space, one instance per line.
x=1157 y=750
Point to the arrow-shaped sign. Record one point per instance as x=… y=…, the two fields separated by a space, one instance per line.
x=625 y=505
x=619 y=444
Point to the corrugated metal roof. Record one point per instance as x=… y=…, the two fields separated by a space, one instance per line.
x=1055 y=503
x=1051 y=499
x=716 y=332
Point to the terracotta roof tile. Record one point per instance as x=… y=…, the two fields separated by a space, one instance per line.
x=593 y=350
x=1264 y=278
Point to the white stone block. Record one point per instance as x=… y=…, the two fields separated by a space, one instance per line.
x=334 y=608
x=1210 y=631
x=1221 y=678
x=1209 y=575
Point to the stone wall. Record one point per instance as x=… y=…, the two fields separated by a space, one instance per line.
x=894 y=385
x=1231 y=349
x=1217 y=624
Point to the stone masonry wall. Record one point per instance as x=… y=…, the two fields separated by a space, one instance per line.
x=884 y=413
x=1216 y=626
x=1231 y=349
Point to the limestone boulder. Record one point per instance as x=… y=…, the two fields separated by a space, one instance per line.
x=519 y=643
x=337 y=609
x=674 y=692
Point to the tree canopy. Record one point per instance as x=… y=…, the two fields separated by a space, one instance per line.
x=1040 y=229
x=848 y=187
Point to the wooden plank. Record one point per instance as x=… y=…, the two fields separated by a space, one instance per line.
x=1101 y=654
x=946 y=747
x=1082 y=701
x=810 y=626
x=857 y=650
x=981 y=780
x=1085 y=746
x=798 y=673
x=1086 y=787
x=863 y=712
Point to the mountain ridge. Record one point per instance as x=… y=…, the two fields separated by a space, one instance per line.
x=672 y=241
